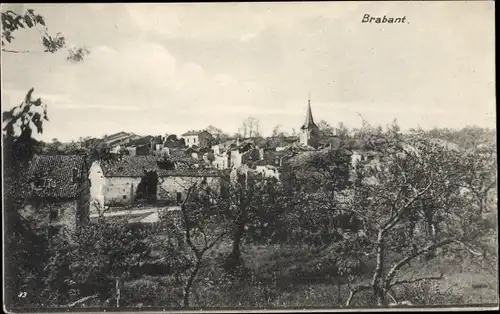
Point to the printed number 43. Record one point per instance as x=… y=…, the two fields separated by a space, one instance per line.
x=22 y=294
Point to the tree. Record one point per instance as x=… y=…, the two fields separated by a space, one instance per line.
x=412 y=211
x=276 y=130
x=325 y=129
x=245 y=206
x=12 y=22
x=107 y=253
x=172 y=138
x=189 y=241
x=19 y=147
x=481 y=168
x=54 y=147
x=469 y=137
x=342 y=131
x=249 y=127
x=218 y=135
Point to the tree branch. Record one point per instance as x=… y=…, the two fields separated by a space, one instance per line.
x=468 y=248
x=400 y=282
x=19 y=51
x=394 y=220
x=187 y=222
x=392 y=272
x=82 y=300
x=354 y=291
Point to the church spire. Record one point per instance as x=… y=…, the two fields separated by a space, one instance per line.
x=309 y=122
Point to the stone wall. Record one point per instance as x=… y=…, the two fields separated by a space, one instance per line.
x=63 y=212
x=120 y=191
x=171 y=186
x=83 y=202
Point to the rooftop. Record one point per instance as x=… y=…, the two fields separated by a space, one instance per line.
x=194 y=132
x=309 y=122
x=135 y=166
x=52 y=176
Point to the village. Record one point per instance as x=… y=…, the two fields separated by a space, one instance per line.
x=116 y=186
x=171 y=157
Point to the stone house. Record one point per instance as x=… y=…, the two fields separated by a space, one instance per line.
x=57 y=190
x=135 y=179
x=119 y=139
x=244 y=153
x=221 y=161
x=267 y=170
x=197 y=138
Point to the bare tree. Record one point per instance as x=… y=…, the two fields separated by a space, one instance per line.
x=201 y=230
x=412 y=209
x=325 y=128
x=249 y=127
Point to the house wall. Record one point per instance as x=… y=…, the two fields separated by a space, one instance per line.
x=221 y=161
x=143 y=150
x=132 y=151
x=309 y=137
x=170 y=186
x=97 y=183
x=217 y=149
x=120 y=190
x=200 y=140
x=268 y=172
x=115 y=149
x=191 y=140
x=66 y=212
x=236 y=158
x=205 y=140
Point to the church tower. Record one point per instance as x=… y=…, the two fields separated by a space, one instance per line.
x=309 y=131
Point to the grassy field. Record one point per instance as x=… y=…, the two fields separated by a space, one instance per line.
x=272 y=279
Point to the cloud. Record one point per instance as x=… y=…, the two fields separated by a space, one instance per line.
x=225 y=21
x=142 y=84
x=158 y=68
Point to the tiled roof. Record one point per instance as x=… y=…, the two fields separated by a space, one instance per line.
x=120 y=137
x=193 y=132
x=145 y=140
x=116 y=135
x=52 y=176
x=134 y=166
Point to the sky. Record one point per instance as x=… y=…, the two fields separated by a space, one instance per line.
x=169 y=68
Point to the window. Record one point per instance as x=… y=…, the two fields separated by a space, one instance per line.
x=124 y=197
x=53 y=231
x=54 y=213
x=187 y=140
x=40 y=182
x=75 y=175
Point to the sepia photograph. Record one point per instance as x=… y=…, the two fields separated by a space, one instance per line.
x=249 y=157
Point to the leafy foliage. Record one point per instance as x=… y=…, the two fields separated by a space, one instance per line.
x=13 y=22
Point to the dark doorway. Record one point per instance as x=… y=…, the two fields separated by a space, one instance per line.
x=179 y=198
x=147 y=188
